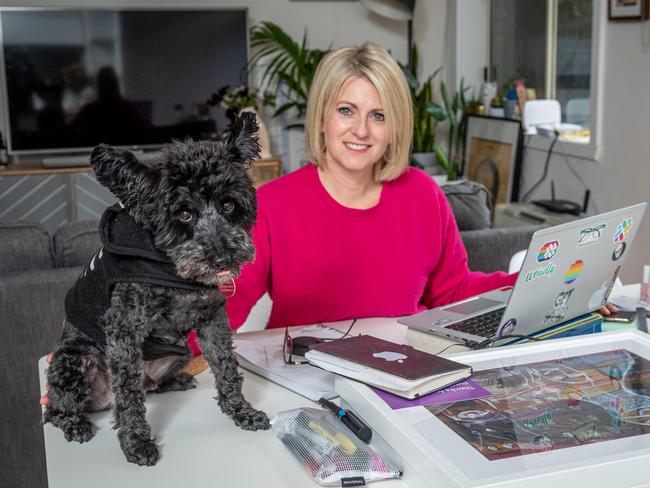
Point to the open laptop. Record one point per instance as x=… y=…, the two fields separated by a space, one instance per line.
x=569 y=270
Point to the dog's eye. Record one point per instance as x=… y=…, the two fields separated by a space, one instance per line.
x=185 y=216
x=228 y=206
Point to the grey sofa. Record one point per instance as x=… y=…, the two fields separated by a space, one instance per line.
x=36 y=271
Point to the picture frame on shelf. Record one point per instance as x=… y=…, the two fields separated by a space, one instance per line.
x=630 y=10
x=570 y=411
x=492 y=155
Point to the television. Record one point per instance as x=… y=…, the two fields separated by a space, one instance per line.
x=74 y=78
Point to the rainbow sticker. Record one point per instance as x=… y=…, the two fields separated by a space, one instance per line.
x=623 y=229
x=547 y=251
x=571 y=274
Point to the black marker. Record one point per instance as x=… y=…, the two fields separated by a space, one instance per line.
x=354 y=423
x=641 y=320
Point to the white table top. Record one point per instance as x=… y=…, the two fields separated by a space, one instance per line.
x=199 y=444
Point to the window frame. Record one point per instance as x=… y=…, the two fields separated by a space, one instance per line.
x=590 y=150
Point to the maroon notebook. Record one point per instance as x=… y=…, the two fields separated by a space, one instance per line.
x=396 y=359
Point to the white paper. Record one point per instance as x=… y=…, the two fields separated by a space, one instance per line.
x=264 y=357
x=627 y=302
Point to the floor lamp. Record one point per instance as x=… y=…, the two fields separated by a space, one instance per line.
x=395 y=10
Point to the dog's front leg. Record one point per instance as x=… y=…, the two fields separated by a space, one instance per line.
x=215 y=340
x=125 y=333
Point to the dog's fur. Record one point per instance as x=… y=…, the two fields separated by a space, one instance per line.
x=188 y=176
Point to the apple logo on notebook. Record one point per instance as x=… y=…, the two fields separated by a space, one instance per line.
x=390 y=356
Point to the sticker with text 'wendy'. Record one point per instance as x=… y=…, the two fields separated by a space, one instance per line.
x=543 y=271
x=547 y=251
x=590 y=235
x=623 y=229
x=571 y=274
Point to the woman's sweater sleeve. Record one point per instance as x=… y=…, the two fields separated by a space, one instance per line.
x=451 y=280
x=255 y=276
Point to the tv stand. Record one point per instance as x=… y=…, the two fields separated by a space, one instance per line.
x=74 y=160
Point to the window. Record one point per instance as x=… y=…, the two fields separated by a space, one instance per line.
x=548 y=44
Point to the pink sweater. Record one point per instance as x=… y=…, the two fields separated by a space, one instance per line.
x=321 y=262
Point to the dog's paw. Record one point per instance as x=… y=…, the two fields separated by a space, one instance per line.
x=142 y=452
x=181 y=382
x=79 y=430
x=251 y=419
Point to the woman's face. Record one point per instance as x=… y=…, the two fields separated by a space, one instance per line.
x=354 y=129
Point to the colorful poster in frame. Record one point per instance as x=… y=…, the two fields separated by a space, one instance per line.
x=566 y=412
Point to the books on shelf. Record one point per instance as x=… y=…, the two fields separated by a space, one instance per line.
x=396 y=368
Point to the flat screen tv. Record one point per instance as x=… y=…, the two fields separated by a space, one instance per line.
x=75 y=78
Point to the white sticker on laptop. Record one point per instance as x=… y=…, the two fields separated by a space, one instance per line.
x=590 y=235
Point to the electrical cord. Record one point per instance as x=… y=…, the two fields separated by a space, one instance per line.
x=546 y=165
x=493 y=339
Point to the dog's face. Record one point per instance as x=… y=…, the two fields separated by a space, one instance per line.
x=196 y=198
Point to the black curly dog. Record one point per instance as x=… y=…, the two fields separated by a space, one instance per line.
x=184 y=221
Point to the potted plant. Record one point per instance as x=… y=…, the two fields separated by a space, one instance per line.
x=426 y=115
x=246 y=99
x=291 y=66
x=454 y=110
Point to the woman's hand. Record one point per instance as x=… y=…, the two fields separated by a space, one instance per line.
x=608 y=309
x=44 y=399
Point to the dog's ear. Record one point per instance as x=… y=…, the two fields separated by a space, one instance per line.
x=121 y=172
x=241 y=138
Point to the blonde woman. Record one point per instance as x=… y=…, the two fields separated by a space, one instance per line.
x=356 y=233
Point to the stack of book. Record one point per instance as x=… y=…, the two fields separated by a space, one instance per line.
x=395 y=368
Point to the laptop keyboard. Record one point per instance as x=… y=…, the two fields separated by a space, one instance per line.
x=485 y=325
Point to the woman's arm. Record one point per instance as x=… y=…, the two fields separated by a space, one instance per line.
x=452 y=280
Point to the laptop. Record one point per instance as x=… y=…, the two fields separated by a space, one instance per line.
x=569 y=270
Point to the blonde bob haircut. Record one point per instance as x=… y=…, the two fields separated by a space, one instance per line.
x=372 y=62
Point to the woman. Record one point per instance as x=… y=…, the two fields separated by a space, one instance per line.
x=357 y=233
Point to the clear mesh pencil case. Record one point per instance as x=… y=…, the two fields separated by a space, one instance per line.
x=328 y=450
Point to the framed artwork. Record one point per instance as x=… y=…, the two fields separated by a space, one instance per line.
x=629 y=9
x=492 y=155
x=573 y=411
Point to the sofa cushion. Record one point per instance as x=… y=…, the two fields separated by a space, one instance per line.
x=24 y=246
x=470 y=202
x=76 y=243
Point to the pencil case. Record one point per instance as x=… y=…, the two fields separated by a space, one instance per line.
x=328 y=450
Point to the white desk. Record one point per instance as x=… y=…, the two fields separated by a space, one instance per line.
x=200 y=446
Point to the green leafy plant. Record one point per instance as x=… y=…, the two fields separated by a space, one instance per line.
x=232 y=101
x=286 y=64
x=426 y=113
x=454 y=108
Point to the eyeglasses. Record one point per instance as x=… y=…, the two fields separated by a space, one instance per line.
x=287 y=350
x=293 y=351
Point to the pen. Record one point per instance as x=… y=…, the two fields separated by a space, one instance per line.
x=350 y=419
x=642 y=322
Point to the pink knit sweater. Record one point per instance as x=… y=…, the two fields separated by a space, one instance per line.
x=321 y=262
